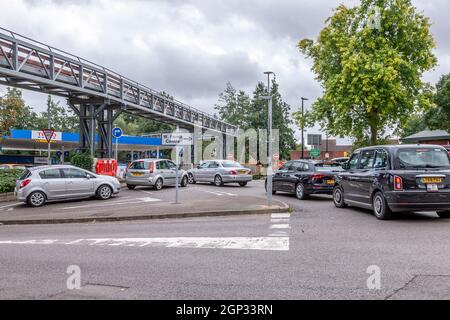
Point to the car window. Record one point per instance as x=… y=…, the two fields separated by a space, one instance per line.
x=72 y=173
x=328 y=166
x=50 y=174
x=213 y=164
x=286 y=166
x=204 y=165
x=231 y=164
x=171 y=165
x=422 y=158
x=381 y=160
x=162 y=165
x=353 y=162
x=367 y=159
x=140 y=165
x=25 y=174
x=297 y=166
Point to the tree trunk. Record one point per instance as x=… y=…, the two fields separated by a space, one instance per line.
x=373 y=134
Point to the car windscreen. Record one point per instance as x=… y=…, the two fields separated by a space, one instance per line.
x=231 y=164
x=416 y=158
x=324 y=167
x=25 y=175
x=140 y=165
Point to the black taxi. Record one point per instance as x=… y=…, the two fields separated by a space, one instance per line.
x=396 y=178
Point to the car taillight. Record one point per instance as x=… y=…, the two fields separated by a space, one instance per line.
x=398 y=183
x=152 y=167
x=249 y=171
x=317 y=177
x=233 y=172
x=24 y=183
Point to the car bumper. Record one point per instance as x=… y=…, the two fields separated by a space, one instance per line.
x=320 y=189
x=418 y=201
x=236 y=178
x=140 y=182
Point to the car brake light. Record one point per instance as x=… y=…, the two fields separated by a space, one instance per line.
x=249 y=171
x=25 y=183
x=398 y=183
x=233 y=172
x=152 y=167
x=316 y=177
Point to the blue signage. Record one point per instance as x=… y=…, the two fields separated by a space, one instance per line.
x=117 y=132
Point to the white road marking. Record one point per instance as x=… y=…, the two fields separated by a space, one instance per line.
x=148 y=192
x=147 y=199
x=11 y=205
x=280 y=215
x=280 y=226
x=240 y=243
x=279 y=220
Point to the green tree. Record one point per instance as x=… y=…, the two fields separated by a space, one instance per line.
x=12 y=108
x=439 y=116
x=369 y=60
x=236 y=107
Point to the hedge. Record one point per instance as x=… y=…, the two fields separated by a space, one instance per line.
x=8 y=179
x=82 y=160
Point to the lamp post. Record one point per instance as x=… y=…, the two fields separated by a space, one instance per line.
x=269 y=128
x=303 y=120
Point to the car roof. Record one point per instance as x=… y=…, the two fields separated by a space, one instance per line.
x=400 y=146
x=56 y=166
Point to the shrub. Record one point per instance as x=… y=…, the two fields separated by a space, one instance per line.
x=82 y=160
x=8 y=180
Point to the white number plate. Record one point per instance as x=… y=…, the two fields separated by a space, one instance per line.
x=432 y=188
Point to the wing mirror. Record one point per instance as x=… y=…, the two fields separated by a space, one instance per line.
x=346 y=166
x=198 y=166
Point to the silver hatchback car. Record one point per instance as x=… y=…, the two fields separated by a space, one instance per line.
x=38 y=185
x=154 y=172
x=220 y=172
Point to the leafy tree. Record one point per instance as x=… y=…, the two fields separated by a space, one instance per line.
x=12 y=107
x=236 y=107
x=439 y=116
x=370 y=62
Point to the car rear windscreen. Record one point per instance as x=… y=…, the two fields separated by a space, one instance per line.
x=231 y=164
x=422 y=158
x=333 y=166
x=140 y=165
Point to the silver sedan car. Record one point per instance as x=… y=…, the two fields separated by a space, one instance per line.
x=38 y=185
x=220 y=172
x=154 y=172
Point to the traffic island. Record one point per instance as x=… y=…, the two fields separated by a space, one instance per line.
x=53 y=213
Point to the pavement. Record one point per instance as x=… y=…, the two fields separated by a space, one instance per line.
x=316 y=252
x=145 y=203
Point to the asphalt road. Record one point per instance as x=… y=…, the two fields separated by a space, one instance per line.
x=318 y=252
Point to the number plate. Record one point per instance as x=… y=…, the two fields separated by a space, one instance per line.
x=242 y=171
x=137 y=174
x=330 y=182
x=432 y=188
x=432 y=180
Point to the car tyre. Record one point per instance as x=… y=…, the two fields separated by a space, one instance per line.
x=300 y=192
x=242 y=184
x=159 y=184
x=131 y=186
x=191 y=179
x=381 y=209
x=104 y=192
x=36 y=199
x=184 y=181
x=218 y=182
x=444 y=214
x=338 y=197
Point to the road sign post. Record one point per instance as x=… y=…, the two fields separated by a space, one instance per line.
x=48 y=134
x=117 y=133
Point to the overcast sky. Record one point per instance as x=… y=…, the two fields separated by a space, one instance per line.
x=192 y=48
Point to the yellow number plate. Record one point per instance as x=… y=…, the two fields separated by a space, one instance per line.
x=432 y=180
x=137 y=174
x=242 y=171
x=329 y=182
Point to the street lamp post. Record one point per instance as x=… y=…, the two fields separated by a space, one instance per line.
x=303 y=129
x=269 y=158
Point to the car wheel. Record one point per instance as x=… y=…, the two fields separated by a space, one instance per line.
x=300 y=191
x=191 y=179
x=36 y=199
x=242 y=184
x=131 y=186
x=380 y=207
x=444 y=214
x=338 y=198
x=184 y=181
x=159 y=184
x=104 y=192
x=218 y=181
